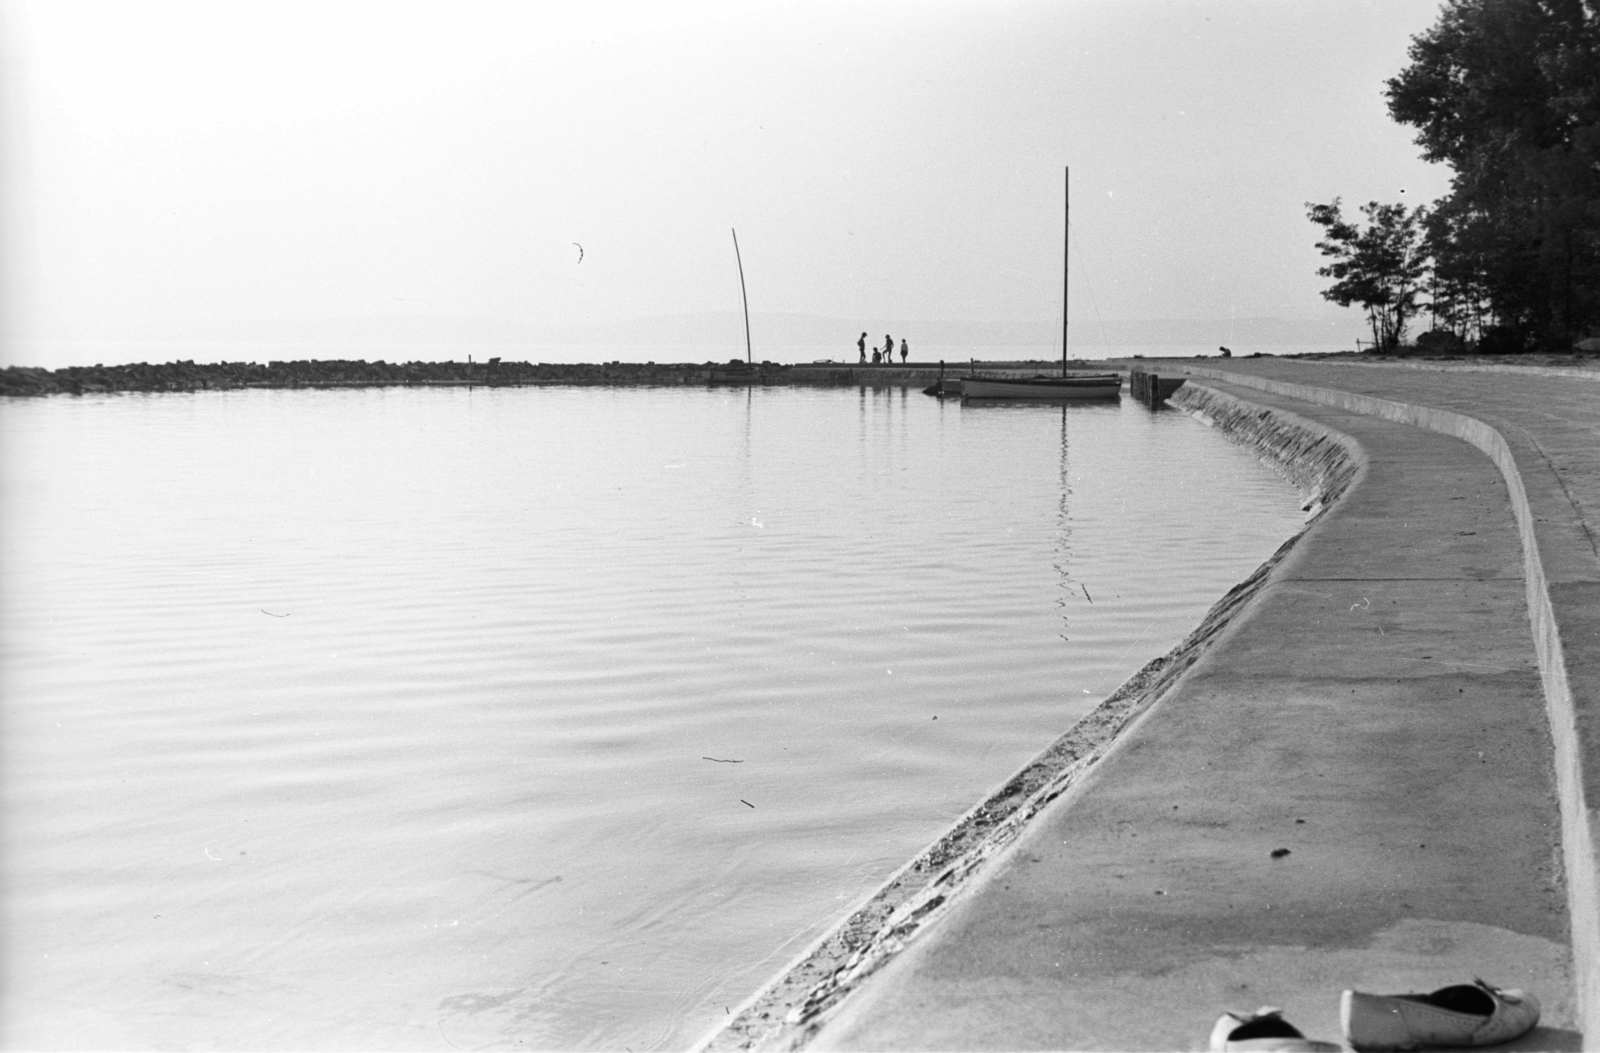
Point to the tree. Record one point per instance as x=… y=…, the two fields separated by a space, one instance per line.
x=1463 y=247
x=1507 y=92
x=1381 y=267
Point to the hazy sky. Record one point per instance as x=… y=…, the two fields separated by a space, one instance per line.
x=167 y=162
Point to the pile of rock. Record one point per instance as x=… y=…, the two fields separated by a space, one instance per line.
x=187 y=376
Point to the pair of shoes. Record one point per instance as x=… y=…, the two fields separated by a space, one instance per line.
x=1475 y=1014
x=1264 y=1030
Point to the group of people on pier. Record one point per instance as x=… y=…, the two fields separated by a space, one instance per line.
x=886 y=356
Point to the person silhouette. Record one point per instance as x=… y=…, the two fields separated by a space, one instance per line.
x=876 y=356
x=904 y=350
x=888 y=348
x=861 y=345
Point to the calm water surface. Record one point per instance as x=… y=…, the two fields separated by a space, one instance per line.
x=540 y=718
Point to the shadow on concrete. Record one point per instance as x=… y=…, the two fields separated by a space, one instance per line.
x=1550 y=1038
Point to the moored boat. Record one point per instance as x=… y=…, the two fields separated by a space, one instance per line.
x=1081 y=386
x=1069 y=385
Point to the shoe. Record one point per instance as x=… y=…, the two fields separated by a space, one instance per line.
x=1265 y=1030
x=1473 y=1014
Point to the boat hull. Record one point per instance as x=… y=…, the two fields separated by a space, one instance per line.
x=1055 y=389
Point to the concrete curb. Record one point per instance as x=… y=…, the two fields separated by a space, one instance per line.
x=1579 y=823
x=1471 y=367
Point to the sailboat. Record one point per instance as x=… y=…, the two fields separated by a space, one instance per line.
x=1069 y=385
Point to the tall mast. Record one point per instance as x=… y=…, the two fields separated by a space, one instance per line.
x=1066 y=234
x=748 y=358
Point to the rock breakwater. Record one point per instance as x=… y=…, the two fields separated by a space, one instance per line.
x=341 y=373
x=191 y=376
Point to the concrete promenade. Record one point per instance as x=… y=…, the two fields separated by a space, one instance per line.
x=1381 y=775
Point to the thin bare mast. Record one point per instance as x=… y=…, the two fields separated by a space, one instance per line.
x=1066 y=235
x=748 y=358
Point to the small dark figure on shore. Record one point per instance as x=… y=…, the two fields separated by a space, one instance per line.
x=888 y=348
x=876 y=355
x=861 y=345
x=1225 y=352
x=904 y=351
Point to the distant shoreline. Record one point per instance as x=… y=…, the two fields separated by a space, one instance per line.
x=189 y=376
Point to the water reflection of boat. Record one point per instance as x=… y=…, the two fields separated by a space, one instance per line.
x=1080 y=386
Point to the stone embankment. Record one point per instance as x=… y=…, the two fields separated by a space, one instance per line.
x=790 y=1010
x=1378 y=771
x=190 y=376
x=337 y=373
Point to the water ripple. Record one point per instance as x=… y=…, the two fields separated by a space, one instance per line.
x=381 y=718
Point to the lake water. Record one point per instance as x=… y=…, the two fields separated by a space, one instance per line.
x=540 y=718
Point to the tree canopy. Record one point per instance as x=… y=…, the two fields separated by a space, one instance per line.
x=1380 y=267
x=1507 y=92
